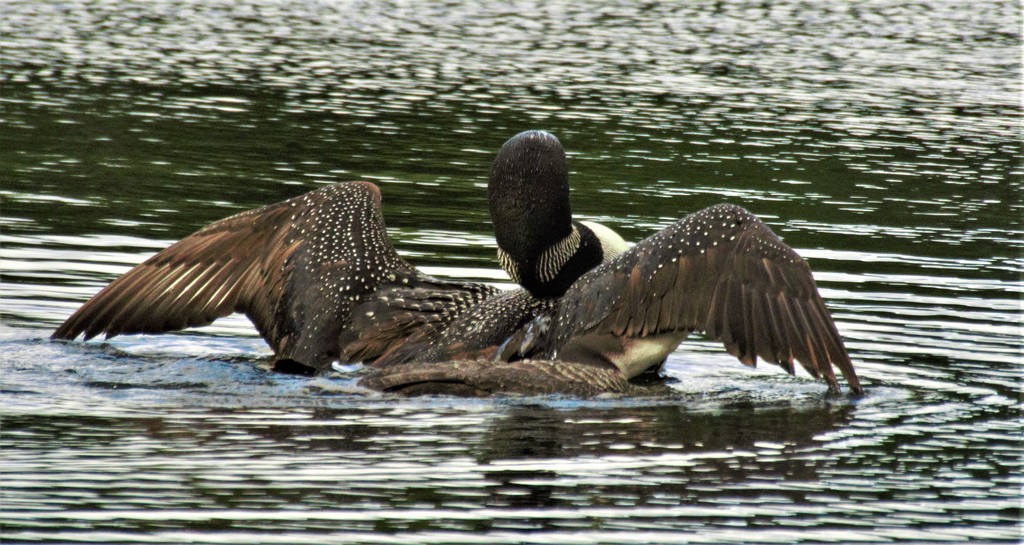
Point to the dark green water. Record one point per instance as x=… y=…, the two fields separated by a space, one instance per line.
x=880 y=139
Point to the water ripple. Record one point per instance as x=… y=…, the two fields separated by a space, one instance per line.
x=879 y=139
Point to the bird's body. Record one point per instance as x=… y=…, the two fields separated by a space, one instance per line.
x=588 y=300
x=320 y=280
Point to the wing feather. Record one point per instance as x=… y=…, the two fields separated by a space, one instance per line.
x=722 y=271
x=147 y=299
x=296 y=269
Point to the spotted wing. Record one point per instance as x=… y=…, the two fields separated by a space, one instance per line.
x=412 y=317
x=295 y=268
x=479 y=331
x=721 y=271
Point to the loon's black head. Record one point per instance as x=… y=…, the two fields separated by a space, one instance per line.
x=539 y=244
x=528 y=194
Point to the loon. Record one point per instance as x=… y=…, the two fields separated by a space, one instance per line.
x=305 y=271
x=321 y=282
x=608 y=314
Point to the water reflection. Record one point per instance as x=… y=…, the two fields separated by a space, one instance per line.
x=523 y=456
x=879 y=139
x=661 y=455
x=492 y=466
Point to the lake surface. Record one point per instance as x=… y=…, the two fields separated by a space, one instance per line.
x=880 y=139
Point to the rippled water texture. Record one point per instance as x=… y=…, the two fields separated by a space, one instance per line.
x=880 y=139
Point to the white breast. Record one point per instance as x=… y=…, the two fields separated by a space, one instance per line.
x=611 y=243
x=640 y=354
x=630 y=355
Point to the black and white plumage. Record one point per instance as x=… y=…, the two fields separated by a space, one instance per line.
x=297 y=269
x=540 y=246
x=319 y=278
x=480 y=332
x=720 y=271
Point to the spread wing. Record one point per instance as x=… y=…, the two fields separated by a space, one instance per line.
x=722 y=271
x=295 y=268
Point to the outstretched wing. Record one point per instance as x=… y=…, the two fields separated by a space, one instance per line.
x=295 y=268
x=722 y=271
